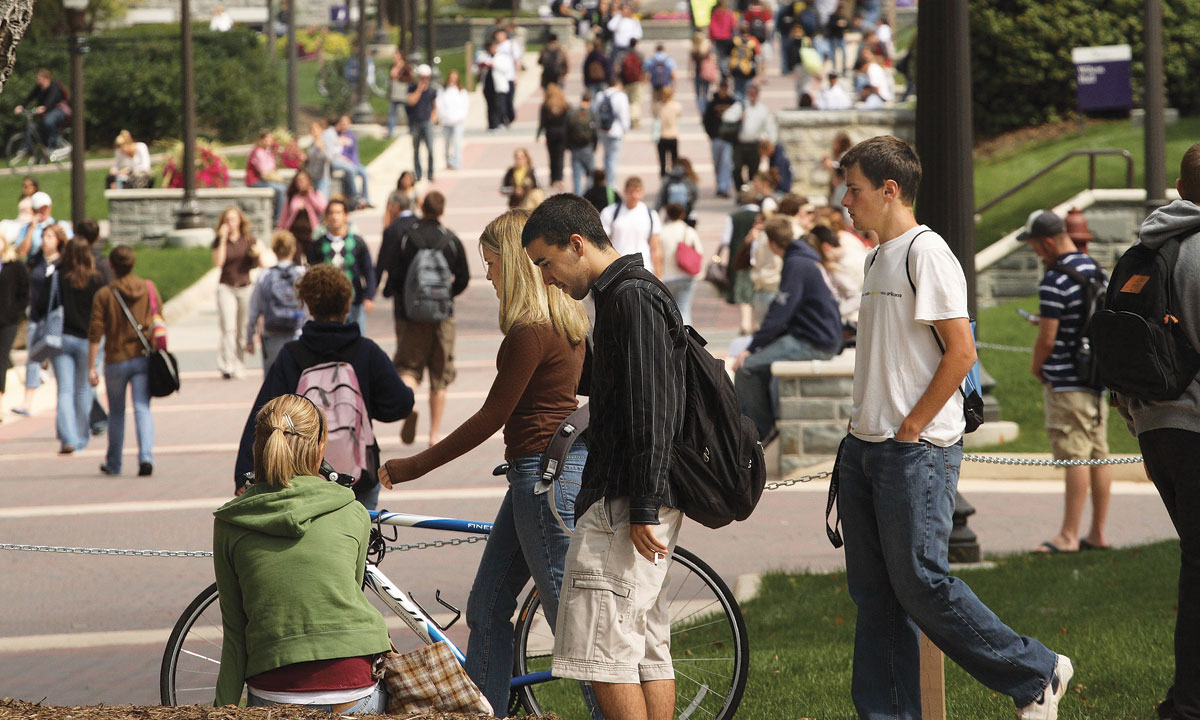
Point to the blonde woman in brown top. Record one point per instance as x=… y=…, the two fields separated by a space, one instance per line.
x=538 y=368
x=235 y=253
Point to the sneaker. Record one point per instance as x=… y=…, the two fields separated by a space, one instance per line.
x=22 y=412
x=66 y=449
x=1046 y=705
x=105 y=469
x=145 y=470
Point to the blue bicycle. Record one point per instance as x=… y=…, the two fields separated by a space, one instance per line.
x=709 y=646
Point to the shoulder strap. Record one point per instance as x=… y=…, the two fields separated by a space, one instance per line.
x=129 y=316
x=650 y=217
x=564 y=437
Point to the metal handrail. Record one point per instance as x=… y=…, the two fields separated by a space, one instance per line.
x=1091 y=155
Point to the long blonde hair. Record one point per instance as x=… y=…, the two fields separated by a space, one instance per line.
x=524 y=298
x=289 y=440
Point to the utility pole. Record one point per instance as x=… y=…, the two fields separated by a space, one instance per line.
x=188 y=215
x=293 y=99
x=1155 y=100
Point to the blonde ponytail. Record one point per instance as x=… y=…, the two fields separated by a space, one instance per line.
x=289 y=440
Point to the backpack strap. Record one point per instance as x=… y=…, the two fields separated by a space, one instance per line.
x=650 y=217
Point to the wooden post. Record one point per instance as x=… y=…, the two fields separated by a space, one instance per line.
x=933 y=681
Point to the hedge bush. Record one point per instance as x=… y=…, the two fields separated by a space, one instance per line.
x=132 y=81
x=1021 y=55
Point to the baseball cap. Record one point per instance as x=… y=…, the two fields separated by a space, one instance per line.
x=1041 y=223
x=424 y=70
x=39 y=200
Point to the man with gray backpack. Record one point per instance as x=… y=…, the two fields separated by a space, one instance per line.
x=427 y=271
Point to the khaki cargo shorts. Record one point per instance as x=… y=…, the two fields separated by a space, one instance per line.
x=426 y=345
x=613 y=625
x=1077 y=423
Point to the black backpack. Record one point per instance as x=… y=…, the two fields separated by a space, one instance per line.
x=581 y=128
x=717 y=467
x=1137 y=339
x=1094 y=299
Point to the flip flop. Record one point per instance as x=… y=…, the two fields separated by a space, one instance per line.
x=1085 y=545
x=1051 y=549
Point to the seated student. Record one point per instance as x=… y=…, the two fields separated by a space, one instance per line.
x=802 y=323
x=290 y=555
x=326 y=292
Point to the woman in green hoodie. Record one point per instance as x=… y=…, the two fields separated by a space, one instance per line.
x=290 y=555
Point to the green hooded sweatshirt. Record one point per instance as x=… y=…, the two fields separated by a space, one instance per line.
x=290 y=565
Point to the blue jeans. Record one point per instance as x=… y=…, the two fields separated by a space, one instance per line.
x=753 y=380
x=422 y=133
x=740 y=84
x=33 y=370
x=453 y=137
x=526 y=541
x=896 y=500
x=349 y=187
x=135 y=374
x=722 y=152
x=682 y=290
x=367 y=495
x=393 y=113
x=280 y=196
x=74 y=401
x=612 y=156
x=583 y=164
x=701 y=87
x=47 y=126
x=357 y=315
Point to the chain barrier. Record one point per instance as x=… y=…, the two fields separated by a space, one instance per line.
x=106 y=551
x=775 y=485
x=1005 y=348
x=993 y=460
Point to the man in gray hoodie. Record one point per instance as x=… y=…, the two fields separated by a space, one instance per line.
x=1169 y=435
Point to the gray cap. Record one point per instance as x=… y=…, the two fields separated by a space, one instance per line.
x=1042 y=223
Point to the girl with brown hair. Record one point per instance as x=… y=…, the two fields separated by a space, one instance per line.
x=235 y=253
x=553 y=121
x=76 y=284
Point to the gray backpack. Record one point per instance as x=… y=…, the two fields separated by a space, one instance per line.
x=428 y=283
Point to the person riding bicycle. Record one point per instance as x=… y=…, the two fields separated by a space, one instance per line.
x=48 y=100
x=290 y=556
x=539 y=364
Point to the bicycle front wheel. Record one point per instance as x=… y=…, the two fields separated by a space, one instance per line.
x=190 y=663
x=709 y=648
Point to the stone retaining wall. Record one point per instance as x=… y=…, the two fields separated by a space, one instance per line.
x=139 y=217
x=814 y=407
x=808 y=136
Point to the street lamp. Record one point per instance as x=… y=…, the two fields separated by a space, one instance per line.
x=362 y=109
x=75 y=12
x=188 y=216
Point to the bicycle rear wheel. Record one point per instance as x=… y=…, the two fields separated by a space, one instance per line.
x=190 y=663
x=709 y=648
x=14 y=153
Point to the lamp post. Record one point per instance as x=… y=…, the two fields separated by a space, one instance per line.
x=292 y=96
x=362 y=108
x=75 y=15
x=188 y=215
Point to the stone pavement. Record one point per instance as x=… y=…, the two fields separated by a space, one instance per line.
x=88 y=629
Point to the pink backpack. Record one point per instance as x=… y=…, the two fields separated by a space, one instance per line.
x=333 y=387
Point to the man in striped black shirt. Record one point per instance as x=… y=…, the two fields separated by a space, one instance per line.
x=1076 y=411
x=626 y=520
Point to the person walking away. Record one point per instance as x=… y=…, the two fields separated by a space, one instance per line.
x=340 y=245
x=43 y=267
x=758 y=124
x=553 y=60
x=400 y=218
x=553 y=120
x=261 y=172
x=626 y=506
x=679 y=187
x=429 y=270
x=722 y=147
x=1168 y=432
x=680 y=282
x=538 y=371
x=274 y=301
x=633 y=79
x=581 y=141
x=659 y=68
x=235 y=253
x=633 y=228
x=519 y=179
x=399 y=76
x=452 y=105
x=348 y=143
x=612 y=121
x=422 y=114
x=324 y=340
x=76 y=284
x=741 y=288
x=667 y=118
x=291 y=529
x=492 y=68
x=597 y=68
x=705 y=71
x=125 y=361
x=14 y=299
x=131 y=164
x=601 y=194
x=722 y=26
x=305 y=207
x=1076 y=410
x=743 y=61
x=898 y=466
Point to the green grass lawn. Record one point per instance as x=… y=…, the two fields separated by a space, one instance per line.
x=996 y=174
x=1112 y=612
x=173 y=270
x=1018 y=392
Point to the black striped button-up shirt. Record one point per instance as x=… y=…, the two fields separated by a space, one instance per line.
x=637 y=393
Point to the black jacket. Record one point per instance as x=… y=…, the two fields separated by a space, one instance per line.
x=712 y=114
x=14 y=292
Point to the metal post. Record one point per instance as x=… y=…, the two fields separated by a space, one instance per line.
x=1155 y=100
x=188 y=216
x=292 y=92
x=429 y=32
x=270 y=28
x=78 y=175
x=362 y=108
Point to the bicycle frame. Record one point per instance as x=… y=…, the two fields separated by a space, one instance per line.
x=408 y=610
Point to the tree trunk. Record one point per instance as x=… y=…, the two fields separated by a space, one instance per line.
x=14 y=20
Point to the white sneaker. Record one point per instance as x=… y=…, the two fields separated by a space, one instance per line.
x=1046 y=706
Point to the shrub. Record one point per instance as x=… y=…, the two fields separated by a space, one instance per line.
x=132 y=81
x=1021 y=55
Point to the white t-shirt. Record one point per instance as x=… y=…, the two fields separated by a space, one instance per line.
x=630 y=230
x=621 y=111
x=878 y=79
x=624 y=30
x=452 y=105
x=897 y=355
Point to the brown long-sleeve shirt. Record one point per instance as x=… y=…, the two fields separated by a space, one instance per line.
x=534 y=391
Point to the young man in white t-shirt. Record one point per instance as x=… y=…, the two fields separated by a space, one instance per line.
x=898 y=467
x=633 y=227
